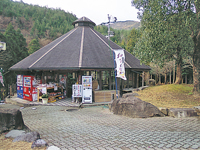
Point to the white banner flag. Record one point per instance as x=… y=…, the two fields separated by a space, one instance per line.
x=120 y=59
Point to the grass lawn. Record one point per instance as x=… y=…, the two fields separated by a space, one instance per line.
x=170 y=96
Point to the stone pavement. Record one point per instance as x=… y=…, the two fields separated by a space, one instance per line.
x=95 y=128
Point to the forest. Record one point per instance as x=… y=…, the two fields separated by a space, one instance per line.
x=167 y=41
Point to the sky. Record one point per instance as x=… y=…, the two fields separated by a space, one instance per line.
x=95 y=10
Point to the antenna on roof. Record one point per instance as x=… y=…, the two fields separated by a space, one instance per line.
x=110 y=33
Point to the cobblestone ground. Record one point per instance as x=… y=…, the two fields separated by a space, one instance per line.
x=96 y=128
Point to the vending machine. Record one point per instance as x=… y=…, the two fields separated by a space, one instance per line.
x=30 y=88
x=87 y=89
x=20 y=86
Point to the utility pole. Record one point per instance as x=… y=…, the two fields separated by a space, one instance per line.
x=109 y=33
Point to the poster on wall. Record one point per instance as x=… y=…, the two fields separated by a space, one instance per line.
x=77 y=90
x=120 y=59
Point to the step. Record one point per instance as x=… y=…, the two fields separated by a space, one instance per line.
x=182 y=112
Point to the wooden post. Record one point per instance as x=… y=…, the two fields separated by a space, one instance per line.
x=128 y=75
x=66 y=84
x=100 y=80
x=142 y=78
x=133 y=78
x=137 y=85
x=148 y=74
x=110 y=81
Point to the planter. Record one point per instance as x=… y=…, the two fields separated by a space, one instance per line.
x=44 y=100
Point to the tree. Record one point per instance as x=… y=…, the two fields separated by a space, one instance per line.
x=33 y=46
x=133 y=39
x=15 y=50
x=193 y=22
x=166 y=29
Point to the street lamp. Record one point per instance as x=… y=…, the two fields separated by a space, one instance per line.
x=110 y=33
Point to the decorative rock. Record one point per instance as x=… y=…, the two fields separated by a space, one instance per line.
x=10 y=118
x=28 y=137
x=197 y=109
x=164 y=110
x=129 y=94
x=182 y=112
x=53 y=148
x=39 y=143
x=134 y=107
x=15 y=133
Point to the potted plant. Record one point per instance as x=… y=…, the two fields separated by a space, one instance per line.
x=45 y=98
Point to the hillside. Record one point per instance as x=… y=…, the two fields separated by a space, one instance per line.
x=35 y=22
x=170 y=96
x=125 y=25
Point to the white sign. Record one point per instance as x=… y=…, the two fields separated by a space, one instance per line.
x=77 y=90
x=2 y=46
x=1 y=78
x=120 y=59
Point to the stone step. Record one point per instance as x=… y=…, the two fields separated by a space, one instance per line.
x=182 y=112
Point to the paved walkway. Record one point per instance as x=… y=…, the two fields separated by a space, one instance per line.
x=96 y=128
x=63 y=102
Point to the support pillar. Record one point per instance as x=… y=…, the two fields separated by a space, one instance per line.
x=100 y=80
x=110 y=81
x=137 y=85
x=127 y=77
x=142 y=78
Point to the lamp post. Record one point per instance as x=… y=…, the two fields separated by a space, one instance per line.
x=109 y=33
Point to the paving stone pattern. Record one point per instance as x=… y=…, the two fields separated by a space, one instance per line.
x=95 y=128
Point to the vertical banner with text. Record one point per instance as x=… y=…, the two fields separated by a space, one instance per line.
x=1 y=77
x=120 y=59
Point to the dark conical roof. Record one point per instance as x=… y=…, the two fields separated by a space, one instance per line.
x=84 y=21
x=80 y=48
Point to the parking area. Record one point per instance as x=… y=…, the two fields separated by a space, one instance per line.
x=97 y=128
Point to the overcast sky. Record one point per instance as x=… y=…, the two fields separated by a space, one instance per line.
x=95 y=10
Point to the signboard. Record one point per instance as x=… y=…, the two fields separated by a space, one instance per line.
x=1 y=77
x=77 y=90
x=120 y=59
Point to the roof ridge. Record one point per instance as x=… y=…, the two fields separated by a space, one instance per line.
x=81 y=48
x=51 y=49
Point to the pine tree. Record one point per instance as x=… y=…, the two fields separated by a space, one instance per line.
x=33 y=46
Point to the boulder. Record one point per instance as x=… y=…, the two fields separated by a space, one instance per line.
x=28 y=137
x=14 y=133
x=134 y=107
x=197 y=109
x=10 y=118
x=165 y=111
x=39 y=143
x=129 y=94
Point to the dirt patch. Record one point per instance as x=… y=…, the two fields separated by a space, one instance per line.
x=7 y=144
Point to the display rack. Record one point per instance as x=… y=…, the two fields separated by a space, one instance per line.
x=51 y=99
